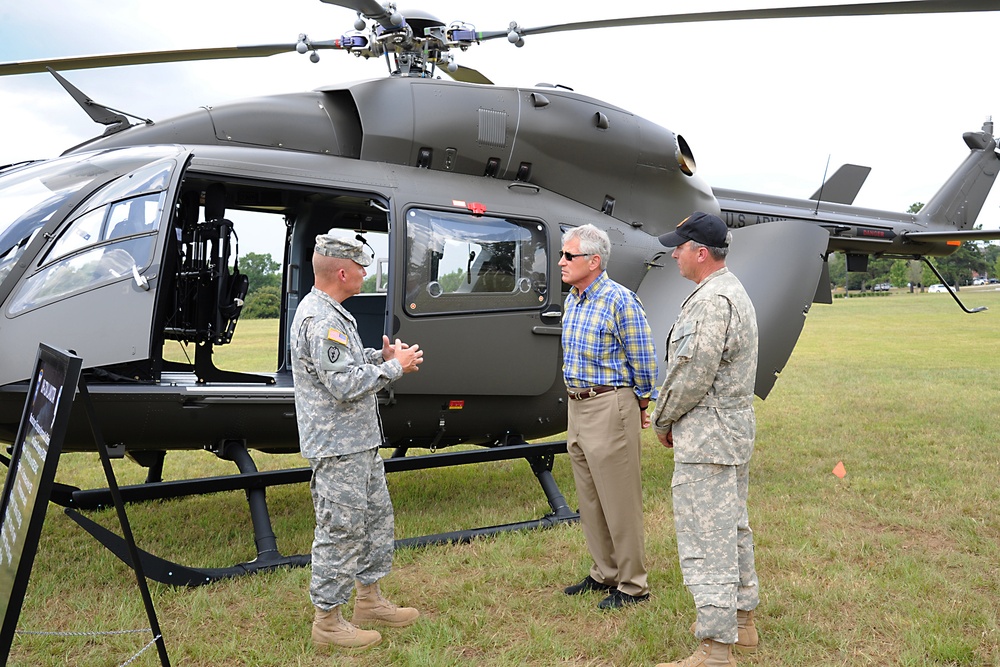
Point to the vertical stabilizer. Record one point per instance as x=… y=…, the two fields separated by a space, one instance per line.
x=958 y=203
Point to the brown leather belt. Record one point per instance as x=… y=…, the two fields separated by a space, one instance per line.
x=581 y=394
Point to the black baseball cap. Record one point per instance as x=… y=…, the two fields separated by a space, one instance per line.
x=700 y=227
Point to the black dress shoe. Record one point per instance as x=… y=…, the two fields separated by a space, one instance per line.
x=587 y=585
x=617 y=600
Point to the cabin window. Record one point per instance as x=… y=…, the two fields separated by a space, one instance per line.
x=468 y=263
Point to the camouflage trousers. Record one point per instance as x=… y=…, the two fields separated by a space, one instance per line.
x=715 y=544
x=354 y=532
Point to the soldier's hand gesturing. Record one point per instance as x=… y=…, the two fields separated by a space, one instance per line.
x=408 y=356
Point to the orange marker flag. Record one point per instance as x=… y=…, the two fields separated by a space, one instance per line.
x=839 y=470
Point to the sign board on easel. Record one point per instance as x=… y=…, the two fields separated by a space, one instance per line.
x=32 y=470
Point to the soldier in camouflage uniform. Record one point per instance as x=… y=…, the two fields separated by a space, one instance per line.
x=336 y=380
x=705 y=413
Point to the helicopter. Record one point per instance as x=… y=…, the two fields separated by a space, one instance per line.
x=462 y=189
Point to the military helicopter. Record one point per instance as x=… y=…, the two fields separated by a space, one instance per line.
x=462 y=188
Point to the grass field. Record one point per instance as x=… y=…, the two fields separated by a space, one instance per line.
x=898 y=563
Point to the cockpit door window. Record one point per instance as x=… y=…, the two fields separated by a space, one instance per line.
x=463 y=263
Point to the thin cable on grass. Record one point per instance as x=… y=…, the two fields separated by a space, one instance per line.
x=97 y=634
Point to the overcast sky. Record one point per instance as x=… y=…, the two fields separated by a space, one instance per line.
x=763 y=104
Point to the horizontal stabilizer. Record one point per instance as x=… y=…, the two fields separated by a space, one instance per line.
x=956 y=235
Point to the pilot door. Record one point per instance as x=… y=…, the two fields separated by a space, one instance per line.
x=80 y=261
x=475 y=295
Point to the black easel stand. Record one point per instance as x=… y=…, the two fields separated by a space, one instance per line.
x=123 y=519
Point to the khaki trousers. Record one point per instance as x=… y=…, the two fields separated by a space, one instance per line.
x=603 y=443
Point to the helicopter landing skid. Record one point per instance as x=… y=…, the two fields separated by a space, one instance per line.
x=167 y=572
x=540 y=457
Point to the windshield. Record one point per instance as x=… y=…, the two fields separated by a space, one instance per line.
x=29 y=196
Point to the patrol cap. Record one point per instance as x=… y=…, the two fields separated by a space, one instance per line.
x=332 y=245
x=700 y=227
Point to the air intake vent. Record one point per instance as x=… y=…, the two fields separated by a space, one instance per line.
x=492 y=128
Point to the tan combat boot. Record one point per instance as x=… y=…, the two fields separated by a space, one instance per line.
x=329 y=627
x=371 y=607
x=710 y=653
x=747 y=639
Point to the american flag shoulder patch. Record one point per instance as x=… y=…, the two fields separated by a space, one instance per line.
x=337 y=336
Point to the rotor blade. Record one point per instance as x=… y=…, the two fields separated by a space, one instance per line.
x=467 y=75
x=367 y=8
x=152 y=57
x=856 y=9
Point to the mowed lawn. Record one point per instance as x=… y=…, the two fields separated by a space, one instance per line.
x=896 y=563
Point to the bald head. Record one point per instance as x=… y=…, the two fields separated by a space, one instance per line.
x=324 y=266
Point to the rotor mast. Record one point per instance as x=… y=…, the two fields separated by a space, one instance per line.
x=414 y=45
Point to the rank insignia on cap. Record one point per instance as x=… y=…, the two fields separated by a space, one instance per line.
x=337 y=336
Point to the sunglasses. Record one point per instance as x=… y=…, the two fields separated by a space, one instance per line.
x=570 y=256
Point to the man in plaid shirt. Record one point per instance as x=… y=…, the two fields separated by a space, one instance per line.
x=609 y=366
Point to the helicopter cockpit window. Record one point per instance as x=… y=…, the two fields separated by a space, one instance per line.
x=113 y=221
x=116 y=231
x=30 y=195
x=9 y=258
x=462 y=263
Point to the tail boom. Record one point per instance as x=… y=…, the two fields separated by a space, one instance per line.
x=937 y=230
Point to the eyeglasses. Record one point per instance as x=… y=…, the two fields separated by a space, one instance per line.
x=571 y=256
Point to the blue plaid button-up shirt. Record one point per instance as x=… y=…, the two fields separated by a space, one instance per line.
x=606 y=339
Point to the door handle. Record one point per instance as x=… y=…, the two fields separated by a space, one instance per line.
x=140 y=281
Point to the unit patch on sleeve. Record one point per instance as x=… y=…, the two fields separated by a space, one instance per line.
x=336 y=356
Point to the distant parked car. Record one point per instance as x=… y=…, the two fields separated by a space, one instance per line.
x=979 y=281
x=937 y=288
x=882 y=287
x=994 y=281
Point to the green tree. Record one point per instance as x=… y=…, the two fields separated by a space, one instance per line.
x=927 y=276
x=878 y=272
x=991 y=255
x=899 y=273
x=838 y=269
x=450 y=282
x=839 y=274
x=958 y=267
x=263 y=303
x=261 y=270
x=916 y=272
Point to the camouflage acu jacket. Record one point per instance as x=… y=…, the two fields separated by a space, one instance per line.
x=707 y=395
x=336 y=379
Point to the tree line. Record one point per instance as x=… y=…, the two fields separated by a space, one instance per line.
x=263 y=299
